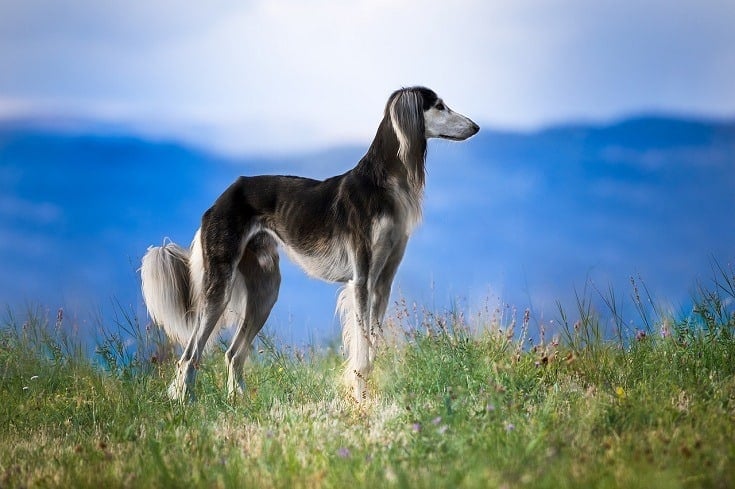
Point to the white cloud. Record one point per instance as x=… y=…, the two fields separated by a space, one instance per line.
x=286 y=74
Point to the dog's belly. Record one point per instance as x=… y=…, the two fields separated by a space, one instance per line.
x=333 y=266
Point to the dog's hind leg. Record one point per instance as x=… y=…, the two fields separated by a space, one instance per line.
x=222 y=242
x=216 y=296
x=260 y=271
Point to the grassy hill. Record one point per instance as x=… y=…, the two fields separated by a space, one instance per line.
x=457 y=402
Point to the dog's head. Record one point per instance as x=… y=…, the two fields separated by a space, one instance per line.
x=418 y=112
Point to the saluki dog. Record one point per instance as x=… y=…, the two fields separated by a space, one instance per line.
x=351 y=229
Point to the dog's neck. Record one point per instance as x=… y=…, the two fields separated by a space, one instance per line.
x=382 y=162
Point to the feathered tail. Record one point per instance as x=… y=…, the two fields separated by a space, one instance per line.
x=171 y=277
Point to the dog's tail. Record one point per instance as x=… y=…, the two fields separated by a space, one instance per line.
x=172 y=277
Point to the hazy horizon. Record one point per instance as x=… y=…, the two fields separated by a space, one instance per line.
x=263 y=75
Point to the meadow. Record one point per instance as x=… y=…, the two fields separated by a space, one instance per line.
x=494 y=400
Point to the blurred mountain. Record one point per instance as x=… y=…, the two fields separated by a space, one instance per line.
x=520 y=218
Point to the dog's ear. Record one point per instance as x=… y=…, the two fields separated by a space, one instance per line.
x=407 y=117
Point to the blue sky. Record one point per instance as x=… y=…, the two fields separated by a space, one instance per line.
x=286 y=75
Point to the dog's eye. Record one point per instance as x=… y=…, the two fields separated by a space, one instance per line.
x=440 y=106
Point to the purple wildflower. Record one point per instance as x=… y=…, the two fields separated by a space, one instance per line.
x=665 y=330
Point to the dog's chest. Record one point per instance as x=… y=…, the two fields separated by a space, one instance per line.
x=330 y=263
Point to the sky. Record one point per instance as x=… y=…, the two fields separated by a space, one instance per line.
x=278 y=76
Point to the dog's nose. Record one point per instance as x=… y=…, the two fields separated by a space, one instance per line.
x=475 y=128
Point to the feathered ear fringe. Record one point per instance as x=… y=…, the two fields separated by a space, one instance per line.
x=407 y=117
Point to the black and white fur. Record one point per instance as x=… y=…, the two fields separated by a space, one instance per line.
x=351 y=228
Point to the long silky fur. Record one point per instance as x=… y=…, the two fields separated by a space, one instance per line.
x=407 y=118
x=167 y=290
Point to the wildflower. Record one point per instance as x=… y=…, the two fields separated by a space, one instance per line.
x=442 y=429
x=665 y=329
x=509 y=427
x=343 y=452
x=620 y=392
x=436 y=420
x=416 y=427
x=640 y=335
x=490 y=407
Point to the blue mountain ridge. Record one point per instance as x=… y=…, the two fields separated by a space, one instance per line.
x=509 y=217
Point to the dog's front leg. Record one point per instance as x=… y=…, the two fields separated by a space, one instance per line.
x=362 y=365
x=390 y=247
x=358 y=324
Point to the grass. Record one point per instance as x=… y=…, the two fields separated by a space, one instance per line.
x=455 y=405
